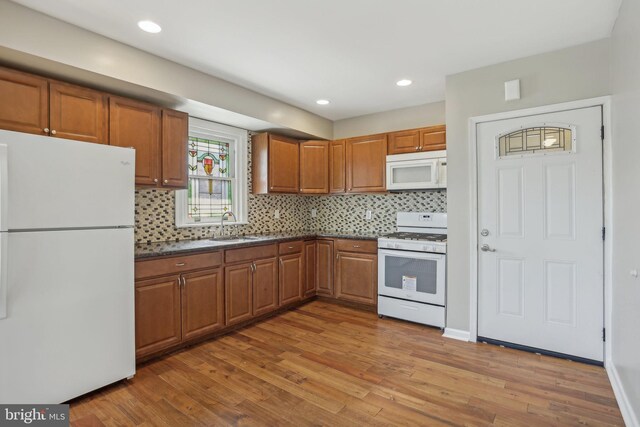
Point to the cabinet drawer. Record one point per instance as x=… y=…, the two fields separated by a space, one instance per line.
x=290 y=247
x=363 y=246
x=250 y=253
x=178 y=264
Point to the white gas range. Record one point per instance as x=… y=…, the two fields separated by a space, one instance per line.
x=412 y=269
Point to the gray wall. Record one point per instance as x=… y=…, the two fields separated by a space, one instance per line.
x=387 y=121
x=42 y=43
x=578 y=72
x=625 y=72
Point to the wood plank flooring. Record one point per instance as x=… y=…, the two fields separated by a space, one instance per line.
x=325 y=364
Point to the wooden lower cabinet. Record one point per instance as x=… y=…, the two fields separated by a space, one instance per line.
x=265 y=286
x=157 y=307
x=324 y=267
x=310 y=252
x=202 y=303
x=238 y=293
x=291 y=276
x=356 y=277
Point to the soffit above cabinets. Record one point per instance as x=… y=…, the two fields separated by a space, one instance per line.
x=351 y=53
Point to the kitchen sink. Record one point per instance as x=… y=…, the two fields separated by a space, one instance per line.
x=236 y=239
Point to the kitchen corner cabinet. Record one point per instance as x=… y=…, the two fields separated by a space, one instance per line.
x=37 y=105
x=366 y=164
x=275 y=164
x=356 y=271
x=324 y=267
x=314 y=167
x=337 y=166
x=310 y=260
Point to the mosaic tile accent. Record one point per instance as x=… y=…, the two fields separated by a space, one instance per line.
x=155 y=212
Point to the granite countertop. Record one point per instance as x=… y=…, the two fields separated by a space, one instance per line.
x=149 y=250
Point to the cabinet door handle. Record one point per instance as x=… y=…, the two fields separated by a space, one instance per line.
x=290 y=247
x=337 y=256
x=417 y=148
x=46 y=130
x=53 y=132
x=184 y=281
x=180 y=264
x=166 y=181
x=155 y=179
x=356 y=246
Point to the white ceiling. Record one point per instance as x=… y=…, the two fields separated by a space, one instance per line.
x=348 y=51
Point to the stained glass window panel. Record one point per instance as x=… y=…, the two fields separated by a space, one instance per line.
x=536 y=140
x=208 y=198
x=208 y=158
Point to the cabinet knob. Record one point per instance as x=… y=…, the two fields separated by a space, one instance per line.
x=166 y=181
x=180 y=264
x=155 y=179
x=46 y=130
x=356 y=246
x=417 y=148
x=53 y=132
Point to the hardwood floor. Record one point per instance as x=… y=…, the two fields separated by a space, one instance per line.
x=325 y=364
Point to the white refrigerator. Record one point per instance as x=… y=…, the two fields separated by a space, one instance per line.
x=66 y=267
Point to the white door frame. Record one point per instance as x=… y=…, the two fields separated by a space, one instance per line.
x=605 y=103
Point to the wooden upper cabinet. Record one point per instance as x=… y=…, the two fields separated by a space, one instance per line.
x=137 y=125
x=275 y=164
x=433 y=138
x=324 y=267
x=24 y=102
x=407 y=141
x=337 y=166
x=265 y=286
x=78 y=113
x=314 y=167
x=157 y=314
x=175 y=136
x=366 y=164
x=202 y=303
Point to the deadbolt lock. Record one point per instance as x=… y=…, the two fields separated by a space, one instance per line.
x=484 y=232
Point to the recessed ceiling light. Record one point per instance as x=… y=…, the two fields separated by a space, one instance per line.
x=149 y=27
x=404 y=82
x=322 y=102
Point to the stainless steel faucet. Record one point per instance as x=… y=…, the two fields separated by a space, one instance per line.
x=224 y=215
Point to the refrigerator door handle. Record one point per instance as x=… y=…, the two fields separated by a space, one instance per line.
x=3 y=275
x=4 y=187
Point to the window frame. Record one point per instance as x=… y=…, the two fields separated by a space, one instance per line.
x=238 y=151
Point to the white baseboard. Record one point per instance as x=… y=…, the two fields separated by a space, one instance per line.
x=628 y=414
x=456 y=334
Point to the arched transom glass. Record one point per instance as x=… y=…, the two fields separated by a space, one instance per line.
x=536 y=139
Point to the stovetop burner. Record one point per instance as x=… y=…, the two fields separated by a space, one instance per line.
x=404 y=235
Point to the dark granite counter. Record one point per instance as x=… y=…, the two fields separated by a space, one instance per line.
x=149 y=250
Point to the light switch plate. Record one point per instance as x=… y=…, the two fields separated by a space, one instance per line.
x=314 y=213
x=512 y=90
x=368 y=215
x=276 y=214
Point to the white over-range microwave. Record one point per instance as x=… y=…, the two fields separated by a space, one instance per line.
x=417 y=171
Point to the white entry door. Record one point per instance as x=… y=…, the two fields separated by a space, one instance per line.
x=540 y=219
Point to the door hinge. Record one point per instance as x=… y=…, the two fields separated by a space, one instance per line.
x=602 y=132
x=604 y=232
x=604 y=334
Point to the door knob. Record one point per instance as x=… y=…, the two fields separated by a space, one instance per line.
x=486 y=248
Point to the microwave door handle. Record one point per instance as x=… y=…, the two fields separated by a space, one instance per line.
x=436 y=172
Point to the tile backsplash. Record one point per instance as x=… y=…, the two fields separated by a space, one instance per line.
x=155 y=213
